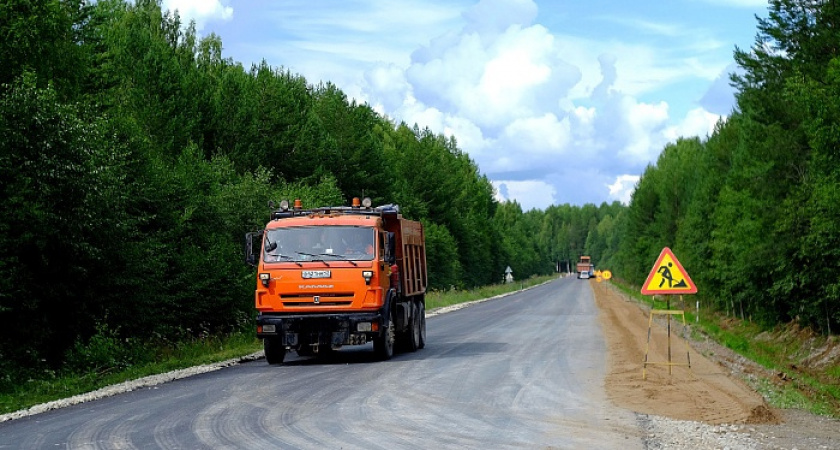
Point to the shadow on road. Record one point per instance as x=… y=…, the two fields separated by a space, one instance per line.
x=365 y=355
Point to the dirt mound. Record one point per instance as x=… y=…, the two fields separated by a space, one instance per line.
x=704 y=392
x=762 y=414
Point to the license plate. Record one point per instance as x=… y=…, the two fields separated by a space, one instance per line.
x=315 y=274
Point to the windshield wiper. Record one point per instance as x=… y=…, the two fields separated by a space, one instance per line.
x=315 y=257
x=287 y=257
x=343 y=258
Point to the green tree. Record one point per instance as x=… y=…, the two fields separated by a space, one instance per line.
x=43 y=37
x=62 y=182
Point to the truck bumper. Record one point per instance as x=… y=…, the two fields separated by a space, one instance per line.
x=322 y=329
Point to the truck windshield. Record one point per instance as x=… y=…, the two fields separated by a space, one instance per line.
x=320 y=243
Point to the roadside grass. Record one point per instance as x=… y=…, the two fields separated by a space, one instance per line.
x=48 y=385
x=112 y=366
x=784 y=351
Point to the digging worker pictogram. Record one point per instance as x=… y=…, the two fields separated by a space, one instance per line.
x=665 y=270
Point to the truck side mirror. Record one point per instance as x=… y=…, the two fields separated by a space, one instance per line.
x=253 y=242
x=390 y=248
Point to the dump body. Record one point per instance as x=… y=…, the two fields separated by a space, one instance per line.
x=410 y=255
x=339 y=276
x=585 y=268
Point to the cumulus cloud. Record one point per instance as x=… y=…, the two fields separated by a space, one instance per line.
x=623 y=187
x=720 y=97
x=550 y=118
x=490 y=17
x=545 y=134
x=201 y=11
x=698 y=122
x=529 y=194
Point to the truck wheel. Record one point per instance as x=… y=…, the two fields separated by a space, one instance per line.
x=275 y=351
x=383 y=345
x=421 y=312
x=412 y=335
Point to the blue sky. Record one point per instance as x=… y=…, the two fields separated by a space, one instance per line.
x=556 y=101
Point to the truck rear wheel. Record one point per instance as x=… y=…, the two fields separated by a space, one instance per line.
x=383 y=345
x=412 y=334
x=421 y=312
x=275 y=351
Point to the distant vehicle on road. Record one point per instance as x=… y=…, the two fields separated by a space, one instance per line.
x=585 y=268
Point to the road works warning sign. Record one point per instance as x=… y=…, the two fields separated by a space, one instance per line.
x=668 y=277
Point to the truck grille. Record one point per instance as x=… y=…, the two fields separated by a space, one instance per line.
x=308 y=300
x=315 y=305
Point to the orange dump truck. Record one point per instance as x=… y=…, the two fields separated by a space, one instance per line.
x=336 y=276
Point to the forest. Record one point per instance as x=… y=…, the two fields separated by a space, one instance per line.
x=753 y=211
x=134 y=157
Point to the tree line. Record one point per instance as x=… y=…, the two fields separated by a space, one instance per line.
x=134 y=157
x=753 y=210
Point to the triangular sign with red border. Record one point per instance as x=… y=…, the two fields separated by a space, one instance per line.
x=668 y=277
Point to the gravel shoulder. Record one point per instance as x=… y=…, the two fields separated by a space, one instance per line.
x=707 y=406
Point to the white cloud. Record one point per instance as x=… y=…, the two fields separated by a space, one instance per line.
x=391 y=87
x=491 y=80
x=698 y=122
x=490 y=17
x=508 y=100
x=201 y=11
x=545 y=111
x=719 y=97
x=643 y=121
x=467 y=134
x=623 y=187
x=536 y=135
x=529 y=194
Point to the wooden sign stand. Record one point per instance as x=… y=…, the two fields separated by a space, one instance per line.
x=667 y=312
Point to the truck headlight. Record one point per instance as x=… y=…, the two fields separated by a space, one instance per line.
x=363 y=326
x=265 y=278
x=367 y=274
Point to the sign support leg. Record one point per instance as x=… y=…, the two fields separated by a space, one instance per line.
x=668 y=308
x=647 y=346
x=685 y=337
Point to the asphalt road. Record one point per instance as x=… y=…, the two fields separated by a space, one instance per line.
x=522 y=371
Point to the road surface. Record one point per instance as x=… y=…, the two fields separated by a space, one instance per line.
x=521 y=371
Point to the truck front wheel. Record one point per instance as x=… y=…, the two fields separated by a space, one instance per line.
x=383 y=345
x=275 y=351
